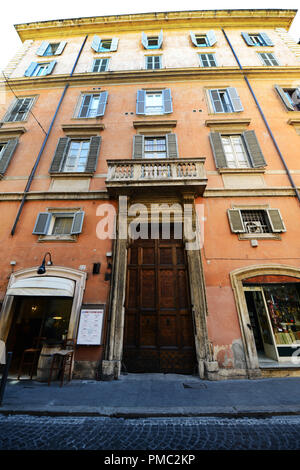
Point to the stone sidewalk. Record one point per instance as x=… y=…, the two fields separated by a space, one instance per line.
x=154 y=395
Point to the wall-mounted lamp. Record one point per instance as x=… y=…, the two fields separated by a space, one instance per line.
x=42 y=268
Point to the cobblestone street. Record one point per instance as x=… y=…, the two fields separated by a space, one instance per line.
x=25 y=432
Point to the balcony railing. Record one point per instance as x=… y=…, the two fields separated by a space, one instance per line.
x=188 y=172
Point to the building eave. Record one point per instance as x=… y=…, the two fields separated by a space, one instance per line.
x=167 y=20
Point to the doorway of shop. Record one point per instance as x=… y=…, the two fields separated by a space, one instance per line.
x=37 y=317
x=260 y=323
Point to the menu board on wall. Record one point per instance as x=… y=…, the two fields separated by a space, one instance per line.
x=90 y=326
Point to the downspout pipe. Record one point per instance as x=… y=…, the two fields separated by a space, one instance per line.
x=31 y=176
x=265 y=120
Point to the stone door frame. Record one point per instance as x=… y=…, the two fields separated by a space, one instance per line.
x=111 y=365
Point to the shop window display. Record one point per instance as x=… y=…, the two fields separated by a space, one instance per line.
x=283 y=303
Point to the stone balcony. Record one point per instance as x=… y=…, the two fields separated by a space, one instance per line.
x=125 y=176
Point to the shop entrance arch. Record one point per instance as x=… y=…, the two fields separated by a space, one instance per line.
x=41 y=305
x=268 y=303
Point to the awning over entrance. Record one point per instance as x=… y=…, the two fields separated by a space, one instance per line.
x=43 y=286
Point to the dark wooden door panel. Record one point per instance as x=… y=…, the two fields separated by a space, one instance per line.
x=158 y=334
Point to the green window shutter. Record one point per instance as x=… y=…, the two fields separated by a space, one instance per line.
x=7 y=154
x=218 y=149
x=114 y=44
x=275 y=220
x=60 y=48
x=77 y=223
x=50 y=67
x=91 y=164
x=247 y=39
x=167 y=100
x=59 y=154
x=29 y=71
x=138 y=146
x=284 y=98
x=140 y=101
x=102 y=103
x=193 y=38
x=42 y=49
x=266 y=39
x=254 y=149
x=235 y=220
x=172 y=147
x=211 y=37
x=235 y=99
x=160 y=39
x=96 y=43
x=145 y=40
x=42 y=223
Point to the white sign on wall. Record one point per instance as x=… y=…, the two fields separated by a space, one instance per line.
x=90 y=326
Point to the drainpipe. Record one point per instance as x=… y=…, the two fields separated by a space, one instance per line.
x=265 y=120
x=31 y=176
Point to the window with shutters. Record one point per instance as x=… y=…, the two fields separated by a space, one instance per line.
x=255 y=222
x=163 y=146
x=77 y=155
x=207 y=60
x=62 y=224
x=104 y=45
x=290 y=97
x=153 y=62
x=154 y=103
x=268 y=59
x=257 y=39
x=155 y=147
x=19 y=110
x=203 y=40
x=237 y=151
x=92 y=105
x=152 y=42
x=100 y=65
x=51 y=48
x=225 y=100
x=36 y=69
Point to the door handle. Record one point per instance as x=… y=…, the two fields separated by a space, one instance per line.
x=249 y=326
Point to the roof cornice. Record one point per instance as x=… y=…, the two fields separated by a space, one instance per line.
x=166 y=20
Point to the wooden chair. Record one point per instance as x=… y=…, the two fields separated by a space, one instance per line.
x=63 y=361
x=30 y=357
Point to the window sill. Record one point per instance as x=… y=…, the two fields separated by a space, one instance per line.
x=259 y=236
x=57 y=238
x=63 y=174
x=242 y=171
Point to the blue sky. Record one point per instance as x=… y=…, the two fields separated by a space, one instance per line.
x=35 y=10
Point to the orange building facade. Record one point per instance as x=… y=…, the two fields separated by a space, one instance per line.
x=153 y=160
